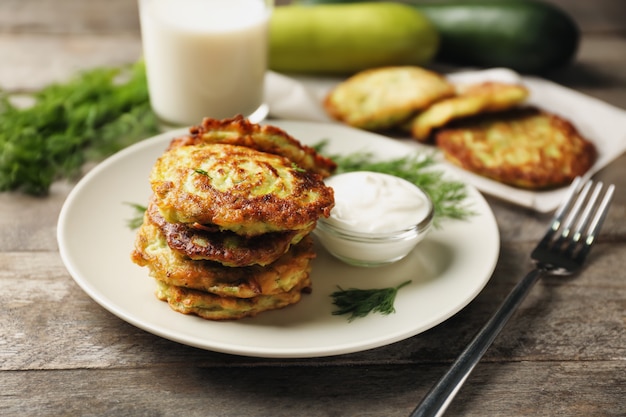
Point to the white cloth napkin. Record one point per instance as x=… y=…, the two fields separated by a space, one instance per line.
x=297 y=99
x=301 y=98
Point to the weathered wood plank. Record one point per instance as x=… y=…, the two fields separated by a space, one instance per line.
x=540 y=389
x=30 y=62
x=28 y=223
x=78 y=16
x=68 y=16
x=600 y=16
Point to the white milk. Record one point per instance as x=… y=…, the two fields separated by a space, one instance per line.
x=204 y=58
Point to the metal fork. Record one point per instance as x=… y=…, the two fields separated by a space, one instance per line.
x=561 y=251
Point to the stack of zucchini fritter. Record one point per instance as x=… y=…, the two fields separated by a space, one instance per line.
x=226 y=232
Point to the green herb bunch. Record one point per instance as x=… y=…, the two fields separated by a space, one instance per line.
x=93 y=115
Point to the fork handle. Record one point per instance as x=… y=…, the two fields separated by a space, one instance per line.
x=442 y=393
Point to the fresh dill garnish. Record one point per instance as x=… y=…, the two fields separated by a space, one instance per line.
x=87 y=118
x=359 y=302
x=295 y=167
x=137 y=219
x=201 y=172
x=448 y=196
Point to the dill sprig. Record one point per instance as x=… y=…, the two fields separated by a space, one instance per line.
x=201 y=172
x=359 y=302
x=137 y=219
x=448 y=196
x=87 y=118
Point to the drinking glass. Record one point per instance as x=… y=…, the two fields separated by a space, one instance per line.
x=205 y=58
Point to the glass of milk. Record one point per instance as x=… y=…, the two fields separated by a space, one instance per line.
x=205 y=58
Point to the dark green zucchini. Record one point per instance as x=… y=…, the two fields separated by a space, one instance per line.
x=529 y=36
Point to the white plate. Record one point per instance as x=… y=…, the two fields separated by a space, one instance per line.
x=448 y=269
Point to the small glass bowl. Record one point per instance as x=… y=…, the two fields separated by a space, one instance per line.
x=373 y=249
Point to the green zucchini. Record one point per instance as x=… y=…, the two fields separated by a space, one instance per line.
x=347 y=38
x=529 y=36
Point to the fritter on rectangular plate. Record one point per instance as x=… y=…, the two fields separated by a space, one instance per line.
x=527 y=148
x=381 y=98
x=471 y=100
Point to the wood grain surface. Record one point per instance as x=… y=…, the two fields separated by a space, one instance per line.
x=61 y=354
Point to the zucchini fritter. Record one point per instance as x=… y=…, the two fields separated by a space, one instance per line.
x=151 y=250
x=265 y=138
x=213 y=307
x=238 y=189
x=471 y=100
x=382 y=98
x=227 y=248
x=526 y=148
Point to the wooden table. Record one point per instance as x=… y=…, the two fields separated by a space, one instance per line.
x=563 y=354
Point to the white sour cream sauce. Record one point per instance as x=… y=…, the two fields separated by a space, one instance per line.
x=368 y=204
x=371 y=202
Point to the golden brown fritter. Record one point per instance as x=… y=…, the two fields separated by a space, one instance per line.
x=152 y=251
x=212 y=307
x=526 y=148
x=382 y=98
x=228 y=248
x=238 y=189
x=265 y=138
x=471 y=100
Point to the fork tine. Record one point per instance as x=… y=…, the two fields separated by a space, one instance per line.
x=567 y=202
x=573 y=213
x=571 y=243
x=583 y=222
x=601 y=213
x=596 y=223
x=572 y=230
x=561 y=211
